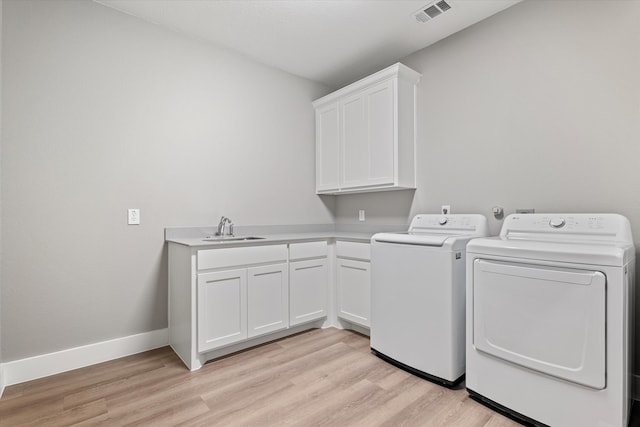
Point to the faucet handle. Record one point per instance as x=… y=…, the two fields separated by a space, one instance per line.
x=230 y=227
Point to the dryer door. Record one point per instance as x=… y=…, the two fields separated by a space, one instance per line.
x=548 y=319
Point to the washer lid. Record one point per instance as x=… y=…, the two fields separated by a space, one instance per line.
x=436 y=230
x=411 y=239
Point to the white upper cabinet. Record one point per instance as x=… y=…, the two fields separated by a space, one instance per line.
x=327 y=170
x=367 y=142
x=365 y=134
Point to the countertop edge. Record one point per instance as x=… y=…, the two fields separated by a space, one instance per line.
x=198 y=242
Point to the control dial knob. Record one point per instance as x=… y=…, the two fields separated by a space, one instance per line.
x=443 y=220
x=557 y=222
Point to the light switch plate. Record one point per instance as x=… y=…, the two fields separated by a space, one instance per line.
x=133 y=216
x=361 y=215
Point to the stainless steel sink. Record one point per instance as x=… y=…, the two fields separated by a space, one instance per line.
x=221 y=239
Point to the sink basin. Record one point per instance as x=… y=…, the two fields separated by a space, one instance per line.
x=230 y=238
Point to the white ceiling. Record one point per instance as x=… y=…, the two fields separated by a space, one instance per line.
x=330 y=41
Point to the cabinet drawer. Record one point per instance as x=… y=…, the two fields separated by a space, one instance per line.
x=307 y=250
x=353 y=250
x=231 y=257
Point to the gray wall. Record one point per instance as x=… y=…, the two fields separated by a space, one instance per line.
x=104 y=112
x=536 y=107
x=1 y=370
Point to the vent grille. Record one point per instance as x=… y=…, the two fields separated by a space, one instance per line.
x=443 y=5
x=422 y=17
x=432 y=10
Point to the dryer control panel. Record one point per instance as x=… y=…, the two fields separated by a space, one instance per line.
x=605 y=227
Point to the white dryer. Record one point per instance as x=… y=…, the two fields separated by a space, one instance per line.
x=417 y=295
x=549 y=304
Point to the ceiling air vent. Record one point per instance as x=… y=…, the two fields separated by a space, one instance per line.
x=432 y=10
x=443 y=5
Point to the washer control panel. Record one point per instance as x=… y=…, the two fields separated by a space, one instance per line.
x=450 y=224
x=557 y=222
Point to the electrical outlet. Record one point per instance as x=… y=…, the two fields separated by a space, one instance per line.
x=361 y=215
x=445 y=209
x=133 y=216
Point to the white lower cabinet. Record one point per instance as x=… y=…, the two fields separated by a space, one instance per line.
x=354 y=300
x=236 y=304
x=225 y=299
x=308 y=290
x=222 y=308
x=267 y=299
x=353 y=277
x=308 y=275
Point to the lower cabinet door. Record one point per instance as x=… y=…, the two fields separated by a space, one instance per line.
x=268 y=299
x=354 y=294
x=308 y=290
x=222 y=308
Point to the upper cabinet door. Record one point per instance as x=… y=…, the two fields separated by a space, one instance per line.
x=327 y=148
x=370 y=144
x=355 y=169
x=382 y=139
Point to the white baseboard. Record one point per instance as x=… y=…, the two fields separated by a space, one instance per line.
x=341 y=323
x=1 y=379
x=31 y=368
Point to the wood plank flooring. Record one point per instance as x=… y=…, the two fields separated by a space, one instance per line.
x=323 y=377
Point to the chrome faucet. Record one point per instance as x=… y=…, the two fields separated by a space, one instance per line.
x=222 y=224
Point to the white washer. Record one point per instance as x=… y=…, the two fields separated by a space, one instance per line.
x=549 y=304
x=417 y=295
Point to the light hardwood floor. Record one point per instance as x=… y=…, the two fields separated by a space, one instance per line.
x=317 y=378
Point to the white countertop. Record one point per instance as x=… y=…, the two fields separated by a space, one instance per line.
x=274 y=239
x=193 y=236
